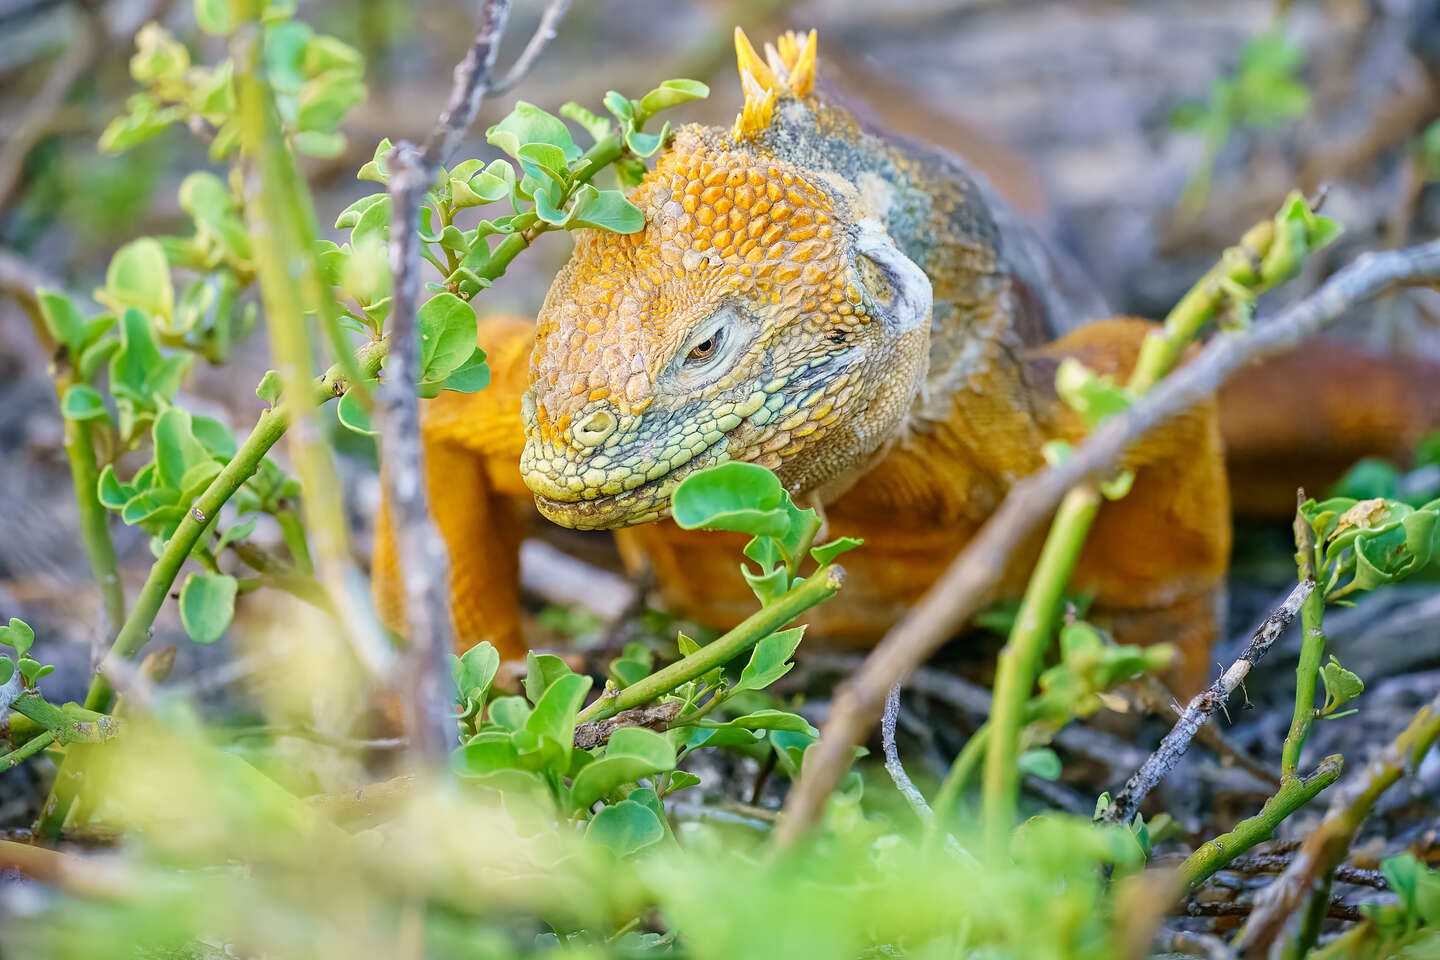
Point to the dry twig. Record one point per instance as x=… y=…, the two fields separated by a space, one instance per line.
x=893 y=766
x=1201 y=708
x=973 y=575
x=419 y=549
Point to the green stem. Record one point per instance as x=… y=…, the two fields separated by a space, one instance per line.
x=955 y=782
x=27 y=750
x=1020 y=659
x=267 y=431
x=94 y=528
x=65 y=727
x=1316 y=909
x=1214 y=855
x=816 y=588
x=1307 y=671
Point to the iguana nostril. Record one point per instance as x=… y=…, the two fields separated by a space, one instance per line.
x=594 y=429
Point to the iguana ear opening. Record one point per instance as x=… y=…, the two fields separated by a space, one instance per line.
x=898 y=288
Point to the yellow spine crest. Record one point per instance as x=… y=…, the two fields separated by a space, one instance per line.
x=787 y=70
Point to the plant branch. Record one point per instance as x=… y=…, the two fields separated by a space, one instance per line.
x=473 y=79
x=894 y=767
x=420 y=551
x=1019 y=661
x=816 y=588
x=539 y=40
x=267 y=431
x=969 y=580
x=1294 y=793
x=1328 y=844
x=1203 y=706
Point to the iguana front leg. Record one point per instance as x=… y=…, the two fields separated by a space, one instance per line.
x=472 y=446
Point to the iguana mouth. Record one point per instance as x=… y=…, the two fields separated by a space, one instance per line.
x=647 y=502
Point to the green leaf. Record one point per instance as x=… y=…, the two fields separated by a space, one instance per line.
x=645 y=144
x=1043 y=763
x=139 y=277
x=527 y=124
x=18 y=635
x=214 y=435
x=213 y=16
x=1094 y=397
x=447 y=336
x=769 y=661
x=350 y=216
x=373 y=222
x=509 y=712
x=596 y=126
x=633 y=752
x=775 y=720
x=113 y=494
x=768 y=587
x=353 y=415
x=82 y=402
x=553 y=718
x=625 y=828
x=742 y=497
x=672 y=93
x=605 y=210
x=270 y=387
x=827 y=552
x=619 y=105
x=62 y=318
x=542 y=670
x=473 y=672
x=471 y=376
x=1341 y=686
x=375 y=170
x=681 y=779
x=176 y=448
x=207 y=604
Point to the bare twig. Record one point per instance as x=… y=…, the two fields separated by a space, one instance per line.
x=472 y=82
x=656 y=716
x=970 y=578
x=1202 y=708
x=893 y=766
x=539 y=40
x=1328 y=844
x=420 y=551
x=1194 y=908
x=1260 y=863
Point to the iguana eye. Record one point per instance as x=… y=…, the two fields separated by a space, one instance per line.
x=704 y=350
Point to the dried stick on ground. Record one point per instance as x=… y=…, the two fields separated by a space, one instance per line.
x=419 y=549
x=1202 y=708
x=1327 y=846
x=968 y=582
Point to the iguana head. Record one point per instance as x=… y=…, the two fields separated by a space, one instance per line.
x=758 y=316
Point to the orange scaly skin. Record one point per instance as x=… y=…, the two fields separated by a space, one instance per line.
x=861 y=317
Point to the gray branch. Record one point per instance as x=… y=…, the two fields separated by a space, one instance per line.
x=893 y=766
x=419 y=549
x=1202 y=707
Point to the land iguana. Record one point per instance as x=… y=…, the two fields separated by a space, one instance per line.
x=860 y=315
